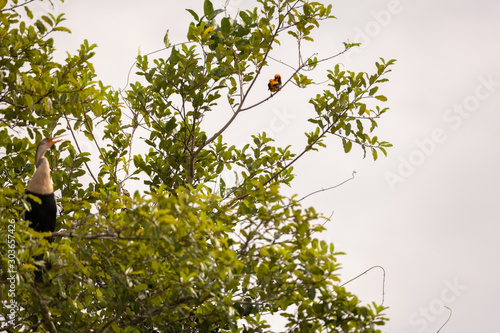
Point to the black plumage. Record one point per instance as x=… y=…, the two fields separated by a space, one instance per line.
x=42 y=215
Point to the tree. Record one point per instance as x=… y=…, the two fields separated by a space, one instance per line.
x=189 y=252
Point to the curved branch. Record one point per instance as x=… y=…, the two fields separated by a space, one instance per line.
x=369 y=269
x=447 y=320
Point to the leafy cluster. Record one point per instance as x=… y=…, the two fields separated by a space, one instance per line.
x=186 y=252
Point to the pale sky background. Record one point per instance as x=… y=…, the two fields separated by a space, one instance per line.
x=429 y=212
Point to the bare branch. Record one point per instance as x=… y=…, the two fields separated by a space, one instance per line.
x=369 y=269
x=78 y=146
x=447 y=320
x=329 y=188
x=99 y=148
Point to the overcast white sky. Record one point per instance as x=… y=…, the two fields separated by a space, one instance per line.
x=428 y=213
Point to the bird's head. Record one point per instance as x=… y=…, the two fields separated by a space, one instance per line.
x=43 y=146
x=49 y=142
x=277 y=77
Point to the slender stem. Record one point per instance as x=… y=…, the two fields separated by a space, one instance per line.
x=369 y=269
x=113 y=175
x=17 y=6
x=78 y=147
x=329 y=188
x=447 y=320
x=306 y=149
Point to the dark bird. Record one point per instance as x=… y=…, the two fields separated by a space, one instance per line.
x=43 y=213
x=274 y=84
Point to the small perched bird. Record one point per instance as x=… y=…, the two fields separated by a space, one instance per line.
x=42 y=214
x=274 y=85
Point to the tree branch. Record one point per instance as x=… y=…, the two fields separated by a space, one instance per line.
x=329 y=188
x=96 y=236
x=16 y=6
x=113 y=175
x=44 y=310
x=78 y=146
x=447 y=320
x=369 y=269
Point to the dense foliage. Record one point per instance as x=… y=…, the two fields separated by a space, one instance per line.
x=189 y=252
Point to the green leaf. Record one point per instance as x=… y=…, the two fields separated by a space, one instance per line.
x=347 y=145
x=311 y=293
x=40 y=26
x=362 y=108
x=215 y=13
x=62 y=29
x=245 y=17
x=208 y=8
x=48 y=20
x=115 y=327
x=225 y=26
x=28 y=12
x=359 y=124
x=166 y=41
x=196 y=17
x=140 y=287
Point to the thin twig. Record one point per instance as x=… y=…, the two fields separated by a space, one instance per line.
x=16 y=6
x=148 y=54
x=329 y=188
x=282 y=87
x=104 y=158
x=78 y=147
x=447 y=320
x=369 y=269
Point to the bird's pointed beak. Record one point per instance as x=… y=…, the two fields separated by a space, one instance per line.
x=56 y=139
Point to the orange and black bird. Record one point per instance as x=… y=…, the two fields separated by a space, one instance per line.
x=43 y=213
x=274 y=85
